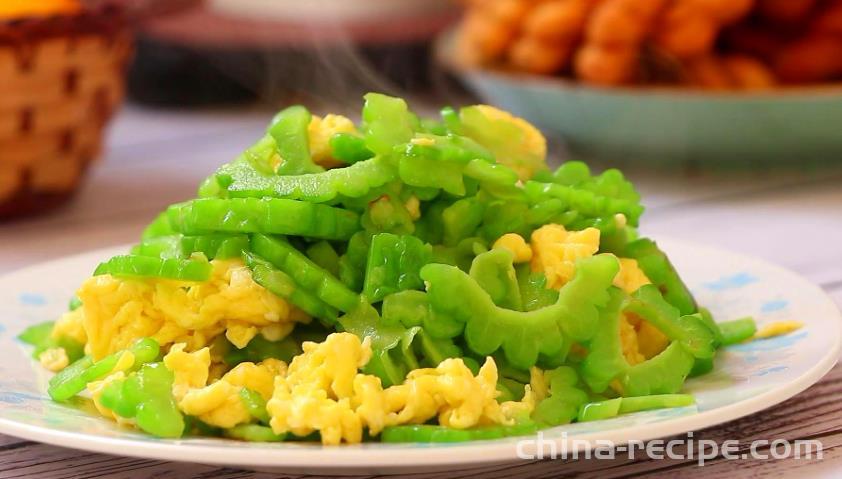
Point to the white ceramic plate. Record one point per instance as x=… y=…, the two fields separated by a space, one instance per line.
x=748 y=377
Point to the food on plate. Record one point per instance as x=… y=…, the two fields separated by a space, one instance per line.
x=613 y=40
x=710 y=44
x=439 y=283
x=728 y=73
x=816 y=55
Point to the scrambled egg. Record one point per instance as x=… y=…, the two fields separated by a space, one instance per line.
x=317 y=391
x=630 y=277
x=629 y=342
x=450 y=392
x=554 y=251
x=525 y=156
x=71 y=325
x=323 y=391
x=521 y=252
x=650 y=340
x=539 y=389
x=117 y=311
x=118 y=372
x=413 y=207
x=217 y=403
x=190 y=370
x=95 y=389
x=54 y=359
x=320 y=131
x=778 y=328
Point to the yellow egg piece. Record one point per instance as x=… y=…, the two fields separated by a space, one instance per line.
x=629 y=342
x=117 y=311
x=556 y=250
x=54 y=359
x=413 y=207
x=190 y=370
x=651 y=341
x=71 y=325
x=538 y=383
x=630 y=277
x=315 y=394
x=778 y=328
x=323 y=391
x=450 y=392
x=320 y=131
x=258 y=377
x=521 y=251
x=219 y=403
x=240 y=334
x=95 y=389
x=514 y=141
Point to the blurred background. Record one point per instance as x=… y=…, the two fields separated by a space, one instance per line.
x=724 y=112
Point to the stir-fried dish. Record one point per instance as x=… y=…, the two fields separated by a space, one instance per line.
x=397 y=279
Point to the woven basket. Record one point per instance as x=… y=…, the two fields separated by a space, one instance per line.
x=61 y=79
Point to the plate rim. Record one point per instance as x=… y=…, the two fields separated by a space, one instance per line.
x=290 y=456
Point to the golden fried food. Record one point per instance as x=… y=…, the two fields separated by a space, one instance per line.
x=711 y=44
x=686 y=33
x=748 y=73
x=549 y=35
x=829 y=20
x=758 y=41
x=484 y=38
x=622 y=22
x=535 y=55
x=815 y=58
x=725 y=11
x=786 y=11
x=607 y=66
x=708 y=73
x=689 y=28
x=559 y=20
x=613 y=40
x=510 y=12
x=733 y=72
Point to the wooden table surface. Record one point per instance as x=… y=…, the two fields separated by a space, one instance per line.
x=155 y=158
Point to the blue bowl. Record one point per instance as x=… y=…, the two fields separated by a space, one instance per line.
x=666 y=124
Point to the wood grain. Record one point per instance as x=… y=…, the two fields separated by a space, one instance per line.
x=156 y=158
